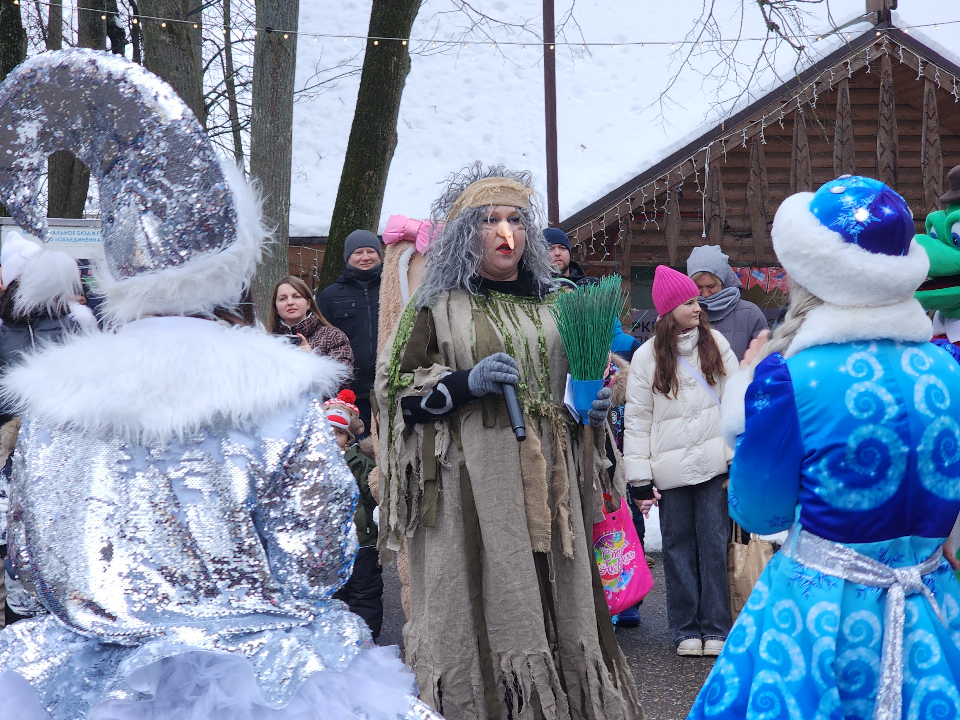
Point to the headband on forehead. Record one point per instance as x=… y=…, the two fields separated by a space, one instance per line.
x=491 y=191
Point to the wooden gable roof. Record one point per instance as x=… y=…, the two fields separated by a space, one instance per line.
x=884 y=105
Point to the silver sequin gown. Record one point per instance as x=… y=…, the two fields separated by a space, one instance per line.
x=229 y=539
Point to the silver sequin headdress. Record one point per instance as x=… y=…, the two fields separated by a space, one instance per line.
x=182 y=232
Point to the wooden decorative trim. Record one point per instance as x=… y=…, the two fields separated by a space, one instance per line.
x=844 y=154
x=758 y=198
x=715 y=206
x=888 y=152
x=931 y=151
x=801 y=171
x=673 y=225
x=863 y=51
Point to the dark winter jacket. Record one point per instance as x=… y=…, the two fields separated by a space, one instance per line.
x=352 y=303
x=361 y=465
x=578 y=276
x=20 y=336
x=740 y=326
x=323 y=339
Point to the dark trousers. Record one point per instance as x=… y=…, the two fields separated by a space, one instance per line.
x=695 y=527
x=364 y=590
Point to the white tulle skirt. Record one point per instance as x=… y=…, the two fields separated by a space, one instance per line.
x=198 y=685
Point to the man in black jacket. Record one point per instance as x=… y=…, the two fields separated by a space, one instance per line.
x=560 y=254
x=352 y=303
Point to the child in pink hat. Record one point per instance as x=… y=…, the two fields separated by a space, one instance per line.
x=674 y=454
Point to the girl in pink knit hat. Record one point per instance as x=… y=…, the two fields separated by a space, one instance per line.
x=675 y=456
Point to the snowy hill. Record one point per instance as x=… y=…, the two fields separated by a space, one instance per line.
x=478 y=102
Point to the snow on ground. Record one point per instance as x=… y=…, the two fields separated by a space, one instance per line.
x=465 y=104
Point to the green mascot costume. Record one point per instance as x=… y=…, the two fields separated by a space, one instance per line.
x=941 y=291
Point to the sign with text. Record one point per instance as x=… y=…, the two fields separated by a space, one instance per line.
x=80 y=239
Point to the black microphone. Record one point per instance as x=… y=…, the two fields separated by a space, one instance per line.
x=514 y=411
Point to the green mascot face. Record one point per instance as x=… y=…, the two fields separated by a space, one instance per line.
x=941 y=291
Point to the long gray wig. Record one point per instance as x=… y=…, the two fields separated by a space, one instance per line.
x=454 y=257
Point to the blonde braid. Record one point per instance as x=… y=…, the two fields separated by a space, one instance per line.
x=802 y=301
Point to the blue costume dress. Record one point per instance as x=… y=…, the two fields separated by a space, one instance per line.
x=859 y=444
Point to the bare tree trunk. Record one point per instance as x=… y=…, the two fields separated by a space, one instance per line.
x=68 y=179
x=196 y=41
x=55 y=25
x=91 y=27
x=118 y=38
x=168 y=51
x=13 y=47
x=136 y=35
x=373 y=134
x=13 y=39
x=231 y=81
x=271 y=132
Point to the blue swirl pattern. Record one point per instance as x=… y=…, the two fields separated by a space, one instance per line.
x=872 y=459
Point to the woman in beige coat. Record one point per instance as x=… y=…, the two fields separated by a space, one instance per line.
x=675 y=455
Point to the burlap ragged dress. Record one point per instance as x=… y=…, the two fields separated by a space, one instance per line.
x=507 y=617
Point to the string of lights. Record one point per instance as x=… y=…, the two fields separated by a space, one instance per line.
x=450 y=42
x=672 y=180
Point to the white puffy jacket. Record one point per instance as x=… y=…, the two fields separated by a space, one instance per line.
x=674 y=441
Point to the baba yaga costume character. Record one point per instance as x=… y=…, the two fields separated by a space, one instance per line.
x=184 y=525
x=507 y=615
x=848 y=436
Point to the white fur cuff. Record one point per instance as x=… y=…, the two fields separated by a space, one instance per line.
x=732 y=408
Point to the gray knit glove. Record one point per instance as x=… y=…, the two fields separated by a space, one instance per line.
x=490 y=373
x=597 y=414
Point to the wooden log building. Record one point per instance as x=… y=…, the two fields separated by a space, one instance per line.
x=885 y=105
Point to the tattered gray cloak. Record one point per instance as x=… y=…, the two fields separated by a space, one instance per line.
x=507 y=615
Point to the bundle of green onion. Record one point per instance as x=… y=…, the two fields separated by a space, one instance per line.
x=585 y=319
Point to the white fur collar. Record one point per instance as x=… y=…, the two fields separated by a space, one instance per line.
x=905 y=321
x=160 y=378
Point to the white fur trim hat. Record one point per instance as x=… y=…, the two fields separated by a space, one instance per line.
x=14 y=255
x=850 y=243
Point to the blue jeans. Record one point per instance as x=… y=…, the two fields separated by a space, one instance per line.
x=695 y=528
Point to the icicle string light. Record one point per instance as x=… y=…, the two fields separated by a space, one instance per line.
x=657 y=189
x=581 y=44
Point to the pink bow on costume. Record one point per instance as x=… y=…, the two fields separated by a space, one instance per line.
x=400 y=228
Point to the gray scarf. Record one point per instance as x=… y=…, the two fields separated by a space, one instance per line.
x=721 y=304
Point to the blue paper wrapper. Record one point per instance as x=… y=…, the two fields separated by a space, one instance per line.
x=584 y=393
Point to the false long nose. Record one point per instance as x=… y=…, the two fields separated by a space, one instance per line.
x=504 y=231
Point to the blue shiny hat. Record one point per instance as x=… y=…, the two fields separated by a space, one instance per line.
x=866 y=213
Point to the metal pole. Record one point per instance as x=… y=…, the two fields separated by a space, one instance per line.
x=550 y=111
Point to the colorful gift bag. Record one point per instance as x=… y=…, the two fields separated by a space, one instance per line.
x=623 y=568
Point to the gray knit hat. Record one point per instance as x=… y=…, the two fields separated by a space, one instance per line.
x=359 y=239
x=711 y=259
